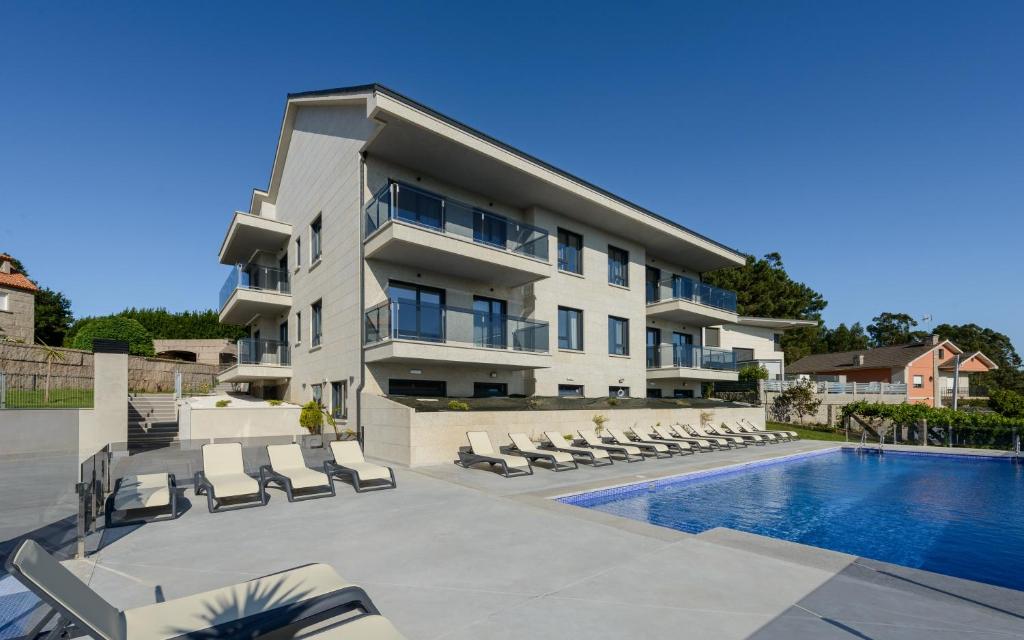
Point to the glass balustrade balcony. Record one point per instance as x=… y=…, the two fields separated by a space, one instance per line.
x=690 y=357
x=250 y=290
x=682 y=288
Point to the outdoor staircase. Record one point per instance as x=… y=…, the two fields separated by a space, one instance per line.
x=152 y=421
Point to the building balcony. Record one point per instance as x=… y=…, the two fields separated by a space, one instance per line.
x=689 y=362
x=687 y=301
x=248 y=234
x=409 y=226
x=259 y=360
x=409 y=332
x=252 y=290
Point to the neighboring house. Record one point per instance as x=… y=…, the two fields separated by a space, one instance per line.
x=17 y=304
x=927 y=368
x=399 y=252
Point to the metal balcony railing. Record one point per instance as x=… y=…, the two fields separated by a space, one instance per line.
x=691 y=357
x=411 y=205
x=264 y=352
x=254 y=277
x=682 y=288
x=441 y=323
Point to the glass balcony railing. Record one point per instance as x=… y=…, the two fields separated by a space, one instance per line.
x=681 y=288
x=265 y=352
x=411 y=205
x=690 y=357
x=444 y=324
x=255 y=277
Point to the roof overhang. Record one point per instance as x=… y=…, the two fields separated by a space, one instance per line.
x=422 y=139
x=775 y=323
x=977 y=355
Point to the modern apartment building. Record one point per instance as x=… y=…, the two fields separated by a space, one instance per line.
x=399 y=252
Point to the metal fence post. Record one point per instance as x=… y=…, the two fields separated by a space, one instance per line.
x=82 y=488
x=3 y=390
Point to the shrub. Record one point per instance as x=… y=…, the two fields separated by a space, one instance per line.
x=140 y=342
x=312 y=417
x=614 y=402
x=798 y=399
x=223 y=403
x=753 y=372
x=1007 y=403
x=274 y=403
x=458 y=405
x=599 y=421
x=568 y=437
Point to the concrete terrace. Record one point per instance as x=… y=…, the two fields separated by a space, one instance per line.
x=456 y=553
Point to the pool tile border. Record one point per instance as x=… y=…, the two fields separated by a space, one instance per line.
x=637 y=485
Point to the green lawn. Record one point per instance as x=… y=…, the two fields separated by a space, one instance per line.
x=808 y=434
x=59 y=399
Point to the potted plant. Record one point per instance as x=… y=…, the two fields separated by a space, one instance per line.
x=311 y=417
x=599 y=421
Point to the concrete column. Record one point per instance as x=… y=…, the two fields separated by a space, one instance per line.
x=109 y=422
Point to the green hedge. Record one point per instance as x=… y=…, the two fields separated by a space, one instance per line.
x=140 y=342
x=966 y=428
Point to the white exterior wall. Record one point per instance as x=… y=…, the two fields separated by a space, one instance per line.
x=760 y=339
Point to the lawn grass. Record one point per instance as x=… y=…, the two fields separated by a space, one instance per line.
x=59 y=399
x=806 y=433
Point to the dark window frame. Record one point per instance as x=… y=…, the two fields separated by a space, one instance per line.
x=416 y=382
x=567 y=387
x=316 y=248
x=316 y=323
x=617 y=349
x=503 y=386
x=580 y=325
x=563 y=265
x=618 y=266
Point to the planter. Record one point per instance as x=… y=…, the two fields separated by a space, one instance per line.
x=313 y=441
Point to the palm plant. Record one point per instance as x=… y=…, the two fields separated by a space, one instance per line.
x=51 y=354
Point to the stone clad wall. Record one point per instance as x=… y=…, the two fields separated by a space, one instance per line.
x=144 y=374
x=18 y=321
x=831 y=409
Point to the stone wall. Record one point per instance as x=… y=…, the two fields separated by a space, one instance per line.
x=831 y=409
x=145 y=375
x=17 y=321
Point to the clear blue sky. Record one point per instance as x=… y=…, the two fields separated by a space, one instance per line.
x=878 y=146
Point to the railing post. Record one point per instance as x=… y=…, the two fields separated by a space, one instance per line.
x=3 y=390
x=82 y=488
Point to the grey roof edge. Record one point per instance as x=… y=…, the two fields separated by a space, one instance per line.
x=476 y=132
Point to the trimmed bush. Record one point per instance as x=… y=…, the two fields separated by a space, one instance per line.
x=458 y=405
x=312 y=417
x=140 y=342
x=223 y=403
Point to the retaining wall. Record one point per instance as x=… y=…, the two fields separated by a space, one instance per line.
x=238 y=422
x=831 y=409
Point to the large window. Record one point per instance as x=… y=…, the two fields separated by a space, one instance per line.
x=570 y=251
x=570 y=329
x=421 y=388
x=417 y=312
x=490 y=389
x=570 y=391
x=490 y=229
x=489 y=323
x=419 y=207
x=339 y=410
x=653 y=277
x=653 y=347
x=316 y=322
x=618 y=336
x=314 y=239
x=318 y=393
x=618 y=266
x=618 y=392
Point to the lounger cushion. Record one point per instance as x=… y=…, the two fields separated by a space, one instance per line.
x=239 y=484
x=306 y=478
x=347 y=451
x=365 y=628
x=523 y=443
x=143 y=491
x=202 y=610
x=369 y=471
x=286 y=459
x=556 y=439
x=512 y=461
x=480 y=442
x=591 y=438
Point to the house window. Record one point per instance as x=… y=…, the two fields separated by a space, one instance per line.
x=419 y=388
x=654 y=393
x=570 y=251
x=316 y=322
x=318 y=393
x=490 y=389
x=618 y=266
x=618 y=336
x=942 y=355
x=682 y=393
x=298 y=327
x=918 y=382
x=314 y=239
x=570 y=391
x=298 y=252
x=570 y=329
x=712 y=337
x=777 y=341
x=651 y=280
x=3 y=302
x=338 y=395
x=618 y=392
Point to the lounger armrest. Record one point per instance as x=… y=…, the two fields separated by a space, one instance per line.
x=291 y=617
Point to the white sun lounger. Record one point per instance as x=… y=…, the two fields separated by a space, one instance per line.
x=753 y=428
x=701 y=432
x=480 y=450
x=747 y=437
x=277 y=605
x=224 y=477
x=631 y=452
x=740 y=429
x=148 y=492
x=658 y=448
x=288 y=470
x=597 y=457
x=348 y=460
x=662 y=433
x=523 y=446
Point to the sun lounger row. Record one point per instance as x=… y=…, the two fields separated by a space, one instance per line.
x=280 y=605
x=562 y=454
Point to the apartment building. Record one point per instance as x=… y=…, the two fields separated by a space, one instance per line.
x=399 y=252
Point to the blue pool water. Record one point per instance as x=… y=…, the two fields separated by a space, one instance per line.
x=959 y=516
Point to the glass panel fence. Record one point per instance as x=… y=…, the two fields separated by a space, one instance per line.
x=269 y=352
x=681 y=288
x=255 y=277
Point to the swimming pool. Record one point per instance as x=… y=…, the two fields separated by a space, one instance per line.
x=958 y=515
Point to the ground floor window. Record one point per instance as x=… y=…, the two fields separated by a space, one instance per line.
x=318 y=393
x=618 y=392
x=570 y=391
x=339 y=410
x=424 y=388
x=654 y=393
x=490 y=390
x=682 y=393
x=918 y=382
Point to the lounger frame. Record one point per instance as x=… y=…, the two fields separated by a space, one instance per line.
x=332 y=467
x=467 y=459
x=108 y=507
x=203 y=487
x=675 y=448
x=594 y=460
x=532 y=456
x=281 y=620
x=268 y=475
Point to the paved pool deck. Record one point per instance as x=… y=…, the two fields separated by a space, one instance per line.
x=463 y=553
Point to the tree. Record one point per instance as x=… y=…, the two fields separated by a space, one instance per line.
x=995 y=345
x=140 y=342
x=888 y=329
x=798 y=399
x=1007 y=403
x=763 y=288
x=843 y=338
x=184 y=325
x=53 y=316
x=17 y=265
x=753 y=372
